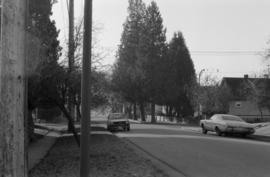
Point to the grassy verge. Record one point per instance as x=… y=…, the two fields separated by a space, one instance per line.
x=36 y=137
x=109 y=157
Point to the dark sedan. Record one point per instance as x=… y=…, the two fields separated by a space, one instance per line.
x=118 y=121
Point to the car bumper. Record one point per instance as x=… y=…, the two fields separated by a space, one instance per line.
x=239 y=130
x=118 y=125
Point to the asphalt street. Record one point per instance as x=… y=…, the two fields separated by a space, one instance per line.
x=193 y=154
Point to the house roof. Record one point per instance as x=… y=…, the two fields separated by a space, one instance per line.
x=237 y=84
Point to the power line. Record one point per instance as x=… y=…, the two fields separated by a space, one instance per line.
x=227 y=52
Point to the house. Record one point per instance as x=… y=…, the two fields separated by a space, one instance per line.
x=245 y=97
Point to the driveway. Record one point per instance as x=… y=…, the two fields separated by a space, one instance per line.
x=192 y=154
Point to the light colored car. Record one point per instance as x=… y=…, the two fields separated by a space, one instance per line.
x=116 y=121
x=225 y=123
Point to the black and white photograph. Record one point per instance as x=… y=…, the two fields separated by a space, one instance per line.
x=134 y=88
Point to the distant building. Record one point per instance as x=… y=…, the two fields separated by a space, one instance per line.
x=245 y=95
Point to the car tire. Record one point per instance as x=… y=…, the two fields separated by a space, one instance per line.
x=204 y=131
x=128 y=128
x=218 y=132
x=244 y=135
x=109 y=128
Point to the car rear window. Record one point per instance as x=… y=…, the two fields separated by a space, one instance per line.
x=232 y=118
x=116 y=116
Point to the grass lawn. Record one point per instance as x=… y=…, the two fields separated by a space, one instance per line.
x=109 y=157
x=36 y=137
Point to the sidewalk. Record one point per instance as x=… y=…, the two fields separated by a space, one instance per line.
x=59 y=127
x=51 y=132
x=38 y=150
x=263 y=129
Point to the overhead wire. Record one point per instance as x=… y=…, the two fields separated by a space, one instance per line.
x=225 y=53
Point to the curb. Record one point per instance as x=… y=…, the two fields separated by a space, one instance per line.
x=159 y=163
x=260 y=138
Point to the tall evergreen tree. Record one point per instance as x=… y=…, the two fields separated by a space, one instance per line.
x=152 y=48
x=127 y=78
x=43 y=51
x=181 y=76
x=147 y=69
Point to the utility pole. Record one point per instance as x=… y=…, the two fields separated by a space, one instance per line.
x=86 y=87
x=71 y=36
x=12 y=88
x=71 y=48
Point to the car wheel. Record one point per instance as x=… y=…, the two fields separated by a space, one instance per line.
x=128 y=128
x=108 y=128
x=219 y=133
x=244 y=135
x=204 y=131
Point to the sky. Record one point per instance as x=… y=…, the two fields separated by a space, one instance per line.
x=226 y=38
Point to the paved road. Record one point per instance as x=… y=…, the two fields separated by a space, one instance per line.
x=195 y=155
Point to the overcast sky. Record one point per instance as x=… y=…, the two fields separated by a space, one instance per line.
x=222 y=35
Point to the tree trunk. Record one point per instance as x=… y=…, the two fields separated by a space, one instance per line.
x=13 y=162
x=142 y=112
x=30 y=127
x=261 y=112
x=135 y=111
x=167 y=110
x=71 y=109
x=153 y=112
x=170 y=113
x=78 y=110
x=129 y=110
x=70 y=121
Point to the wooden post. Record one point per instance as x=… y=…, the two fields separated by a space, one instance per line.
x=12 y=89
x=86 y=85
x=71 y=36
x=71 y=51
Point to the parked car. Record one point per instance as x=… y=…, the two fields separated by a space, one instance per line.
x=225 y=123
x=118 y=120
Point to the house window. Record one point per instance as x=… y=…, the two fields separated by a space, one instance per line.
x=238 y=104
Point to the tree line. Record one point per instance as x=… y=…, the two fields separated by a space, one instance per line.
x=149 y=70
